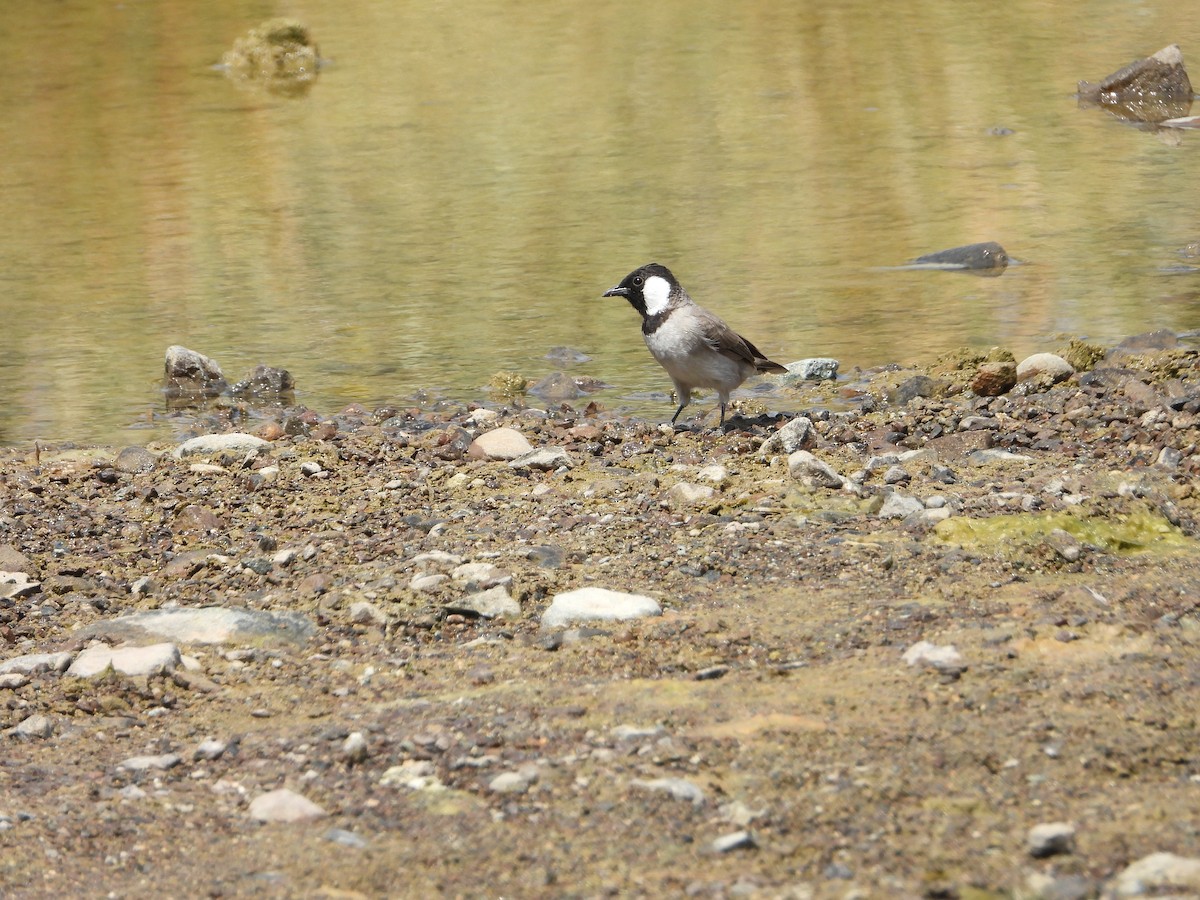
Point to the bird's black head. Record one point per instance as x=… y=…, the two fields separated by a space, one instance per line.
x=648 y=289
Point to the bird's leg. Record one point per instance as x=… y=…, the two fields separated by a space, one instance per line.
x=677 y=412
x=721 y=424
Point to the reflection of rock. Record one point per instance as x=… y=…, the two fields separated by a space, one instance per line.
x=987 y=258
x=1146 y=90
x=279 y=54
x=265 y=382
x=191 y=375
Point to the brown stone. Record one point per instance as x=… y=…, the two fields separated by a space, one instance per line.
x=994 y=378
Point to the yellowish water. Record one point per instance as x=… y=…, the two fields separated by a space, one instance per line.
x=464 y=181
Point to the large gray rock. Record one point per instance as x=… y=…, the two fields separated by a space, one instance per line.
x=187 y=373
x=233 y=442
x=1147 y=90
x=1046 y=365
x=206 y=625
x=595 y=604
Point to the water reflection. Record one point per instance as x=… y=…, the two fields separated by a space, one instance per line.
x=461 y=183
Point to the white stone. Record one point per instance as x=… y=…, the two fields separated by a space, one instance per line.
x=897 y=506
x=208 y=625
x=1156 y=874
x=283 y=805
x=428 y=583
x=1048 y=364
x=796 y=435
x=593 y=604
x=942 y=658
x=500 y=443
x=234 y=442
x=36 y=663
x=544 y=458
x=494 y=603
x=679 y=788
x=152 y=660
x=812 y=471
x=716 y=473
x=364 y=612
x=209 y=749
x=17 y=584
x=35 y=726
x=1050 y=838
x=513 y=782
x=482 y=574
x=355 y=748
x=13 y=680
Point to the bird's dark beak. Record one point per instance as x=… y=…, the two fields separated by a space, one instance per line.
x=617 y=292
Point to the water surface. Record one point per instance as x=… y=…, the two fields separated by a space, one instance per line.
x=464 y=181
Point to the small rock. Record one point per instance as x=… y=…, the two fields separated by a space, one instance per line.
x=283 y=805
x=428 y=583
x=13 y=560
x=154 y=659
x=207 y=625
x=1047 y=365
x=135 y=461
x=35 y=726
x=987 y=258
x=1156 y=875
x=354 y=748
x=687 y=494
x=798 y=434
x=144 y=763
x=482 y=575
x=364 y=612
x=233 y=442
x=210 y=749
x=817 y=368
x=345 y=838
x=544 y=458
x=556 y=386
x=716 y=473
x=36 y=663
x=944 y=659
x=500 y=443
x=513 y=782
x=1151 y=89
x=813 y=472
x=597 y=604
x=1050 y=839
x=13 y=680
x=494 y=603
x=738 y=840
x=1064 y=544
x=994 y=378
x=187 y=373
x=679 y=788
x=15 y=585
x=898 y=506
x=265 y=382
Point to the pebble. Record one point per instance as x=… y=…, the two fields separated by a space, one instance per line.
x=1156 y=875
x=481 y=574
x=428 y=583
x=283 y=805
x=210 y=749
x=345 y=838
x=679 y=788
x=1048 y=364
x=363 y=612
x=817 y=368
x=898 y=506
x=135 y=461
x=13 y=680
x=415 y=774
x=145 y=763
x=716 y=473
x=798 y=434
x=154 y=659
x=597 y=604
x=233 y=442
x=687 y=494
x=36 y=663
x=355 y=748
x=14 y=585
x=500 y=443
x=1050 y=839
x=514 y=782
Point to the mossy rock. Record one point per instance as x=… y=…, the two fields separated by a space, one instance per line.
x=279 y=53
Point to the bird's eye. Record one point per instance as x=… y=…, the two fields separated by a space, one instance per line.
x=637 y=281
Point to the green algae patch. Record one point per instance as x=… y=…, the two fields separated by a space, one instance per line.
x=1137 y=532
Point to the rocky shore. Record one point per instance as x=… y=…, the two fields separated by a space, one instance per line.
x=933 y=632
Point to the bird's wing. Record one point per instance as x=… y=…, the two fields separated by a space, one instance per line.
x=729 y=343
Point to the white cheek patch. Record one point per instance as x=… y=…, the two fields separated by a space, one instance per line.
x=657 y=294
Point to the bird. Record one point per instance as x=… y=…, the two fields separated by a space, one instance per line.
x=695 y=346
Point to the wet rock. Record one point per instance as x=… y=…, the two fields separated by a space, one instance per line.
x=1050 y=839
x=1147 y=90
x=1149 y=342
x=566 y=355
x=815 y=473
x=494 y=603
x=154 y=659
x=135 y=461
x=283 y=805
x=544 y=458
x=233 y=442
x=556 y=386
x=279 y=54
x=798 y=434
x=817 y=368
x=188 y=374
x=994 y=379
x=679 y=788
x=206 y=625
x=500 y=443
x=1156 y=875
x=595 y=604
x=1044 y=365
x=987 y=258
x=13 y=560
x=265 y=383
x=15 y=585
x=37 y=663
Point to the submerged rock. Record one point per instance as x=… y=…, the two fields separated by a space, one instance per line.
x=1147 y=90
x=279 y=54
x=265 y=382
x=987 y=258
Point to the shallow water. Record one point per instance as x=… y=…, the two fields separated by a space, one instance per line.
x=463 y=182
